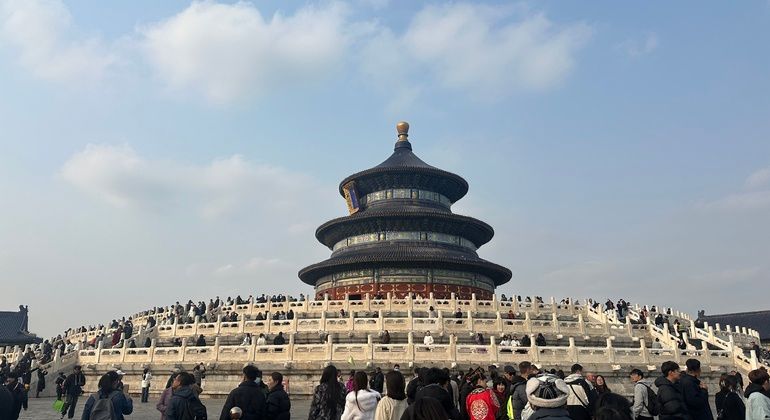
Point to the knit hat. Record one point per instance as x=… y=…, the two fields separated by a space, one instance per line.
x=547 y=391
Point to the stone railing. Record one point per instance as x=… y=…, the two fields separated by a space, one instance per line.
x=498 y=325
x=410 y=352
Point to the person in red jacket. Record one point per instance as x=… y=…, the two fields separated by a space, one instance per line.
x=481 y=403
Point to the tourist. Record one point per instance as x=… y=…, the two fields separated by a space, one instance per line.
x=146 y=380
x=378 y=380
x=695 y=392
x=424 y=409
x=41 y=373
x=60 y=385
x=278 y=404
x=730 y=406
x=518 y=392
x=16 y=388
x=416 y=383
x=385 y=337
x=350 y=383
x=328 y=397
x=279 y=339
x=109 y=398
x=361 y=403
x=582 y=396
x=436 y=386
x=393 y=405
x=171 y=377
x=758 y=403
x=428 y=339
x=642 y=389
x=184 y=400
x=601 y=386
x=481 y=403
x=201 y=341
x=672 y=405
x=164 y=401
x=73 y=387
x=540 y=340
x=261 y=340
x=526 y=341
x=611 y=406
x=6 y=402
x=246 y=340
x=248 y=396
x=199 y=373
x=547 y=396
x=500 y=388
x=432 y=313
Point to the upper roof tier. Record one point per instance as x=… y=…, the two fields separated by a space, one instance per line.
x=403 y=169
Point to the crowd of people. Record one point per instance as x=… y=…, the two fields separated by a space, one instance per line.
x=522 y=392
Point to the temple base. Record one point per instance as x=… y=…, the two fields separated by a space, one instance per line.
x=400 y=290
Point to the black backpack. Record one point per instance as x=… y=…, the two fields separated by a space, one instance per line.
x=652 y=405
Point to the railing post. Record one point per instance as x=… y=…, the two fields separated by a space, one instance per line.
x=610 y=351
x=329 y=347
x=453 y=303
x=706 y=353
x=409 y=319
x=643 y=350
x=290 y=350
x=98 y=351
x=527 y=323
x=573 y=354
x=410 y=349
x=369 y=347
x=535 y=305
x=151 y=351
x=452 y=347
x=493 y=354
x=498 y=322
x=216 y=348
x=474 y=306
x=555 y=322
x=754 y=361
x=581 y=324
x=515 y=305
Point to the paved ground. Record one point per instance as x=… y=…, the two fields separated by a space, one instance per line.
x=40 y=409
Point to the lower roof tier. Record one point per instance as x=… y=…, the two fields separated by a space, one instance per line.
x=406 y=256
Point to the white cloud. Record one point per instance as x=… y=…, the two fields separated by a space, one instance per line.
x=230 y=51
x=41 y=32
x=484 y=51
x=758 y=179
x=635 y=48
x=755 y=196
x=221 y=188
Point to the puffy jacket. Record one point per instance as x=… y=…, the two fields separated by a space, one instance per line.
x=696 y=398
x=758 y=405
x=518 y=397
x=360 y=405
x=551 y=414
x=120 y=404
x=249 y=397
x=182 y=398
x=672 y=405
x=278 y=404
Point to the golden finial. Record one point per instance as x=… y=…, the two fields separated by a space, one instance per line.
x=403 y=130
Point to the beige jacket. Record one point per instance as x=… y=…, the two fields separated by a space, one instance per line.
x=390 y=409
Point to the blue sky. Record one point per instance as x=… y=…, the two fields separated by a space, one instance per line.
x=160 y=151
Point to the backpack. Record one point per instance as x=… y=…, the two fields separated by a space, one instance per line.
x=188 y=413
x=103 y=408
x=652 y=405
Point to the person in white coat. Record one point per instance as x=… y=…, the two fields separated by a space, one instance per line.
x=428 y=340
x=361 y=402
x=758 y=404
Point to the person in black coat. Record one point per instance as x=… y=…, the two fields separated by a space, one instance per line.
x=696 y=394
x=378 y=380
x=278 y=404
x=248 y=396
x=73 y=387
x=672 y=405
x=184 y=398
x=436 y=381
x=733 y=407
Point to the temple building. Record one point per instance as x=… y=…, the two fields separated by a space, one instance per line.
x=401 y=236
x=14 y=328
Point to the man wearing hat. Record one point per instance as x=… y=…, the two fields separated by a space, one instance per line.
x=547 y=395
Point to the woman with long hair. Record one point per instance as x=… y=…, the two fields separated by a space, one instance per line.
x=601 y=385
x=328 y=397
x=361 y=403
x=733 y=407
x=393 y=404
x=611 y=406
x=719 y=397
